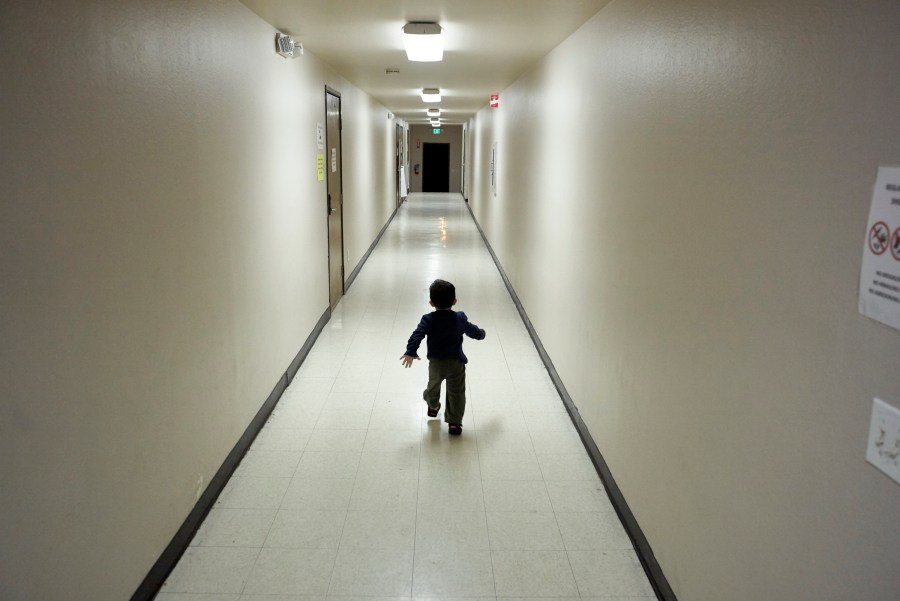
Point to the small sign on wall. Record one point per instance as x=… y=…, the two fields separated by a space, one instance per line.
x=879 y=278
x=495 y=101
x=320 y=167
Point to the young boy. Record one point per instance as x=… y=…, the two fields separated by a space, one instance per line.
x=446 y=361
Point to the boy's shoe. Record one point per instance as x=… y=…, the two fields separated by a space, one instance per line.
x=455 y=429
x=434 y=412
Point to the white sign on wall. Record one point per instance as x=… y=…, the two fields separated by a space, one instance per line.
x=879 y=278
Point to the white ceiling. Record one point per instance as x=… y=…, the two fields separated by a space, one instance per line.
x=488 y=44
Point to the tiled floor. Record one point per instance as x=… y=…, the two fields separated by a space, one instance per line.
x=351 y=491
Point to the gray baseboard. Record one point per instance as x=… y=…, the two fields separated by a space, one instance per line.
x=349 y=280
x=182 y=539
x=641 y=546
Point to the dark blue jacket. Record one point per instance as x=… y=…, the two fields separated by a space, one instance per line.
x=445 y=331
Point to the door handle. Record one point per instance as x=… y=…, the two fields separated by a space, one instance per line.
x=331 y=211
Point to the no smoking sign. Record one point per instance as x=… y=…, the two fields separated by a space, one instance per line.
x=879 y=277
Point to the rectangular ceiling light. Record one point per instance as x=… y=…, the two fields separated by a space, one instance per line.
x=431 y=95
x=433 y=112
x=424 y=42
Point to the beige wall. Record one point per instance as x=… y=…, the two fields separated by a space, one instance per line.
x=419 y=135
x=162 y=258
x=682 y=202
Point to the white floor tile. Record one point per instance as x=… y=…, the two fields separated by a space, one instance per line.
x=323 y=440
x=458 y=495
x=291 y=572
x=440 y=574
x=579 y=495
x=227 y=527
x=268 y=464
x=372 y=572
x=567 y=466
x=509 y=466
x=313 y=493
x=379 y=530
x=253 y=493
x=524 y=530
x=337 y=465
x=609 y=573
x=211 y=570
x=451 y=531
x=533 y=574
x=381 y=494
x=306 y=529
x=592 y=531
x=282 y=439
x=511 y=495
x=439 y=464
x=195 y=597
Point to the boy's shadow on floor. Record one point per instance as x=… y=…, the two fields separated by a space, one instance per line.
x=437 y=429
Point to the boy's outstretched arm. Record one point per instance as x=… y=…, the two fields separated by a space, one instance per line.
x=414 y=341
x=471 y=330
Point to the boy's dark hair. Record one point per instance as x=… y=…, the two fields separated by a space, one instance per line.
x=442 y=293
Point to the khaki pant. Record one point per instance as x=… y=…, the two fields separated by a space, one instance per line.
x=454 y=372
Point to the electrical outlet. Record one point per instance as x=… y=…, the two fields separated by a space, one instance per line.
x=884 y=439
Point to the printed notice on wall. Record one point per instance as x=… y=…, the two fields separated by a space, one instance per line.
x=320 y=167
x=879 y=278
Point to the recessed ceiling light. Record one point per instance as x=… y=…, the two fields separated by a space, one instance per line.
x=431 y=95
x=434 y=112
x=424 y=42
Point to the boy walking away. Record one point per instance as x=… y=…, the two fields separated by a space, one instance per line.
x=444 y=328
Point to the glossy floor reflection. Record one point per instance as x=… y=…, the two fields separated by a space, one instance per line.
x=350 y=490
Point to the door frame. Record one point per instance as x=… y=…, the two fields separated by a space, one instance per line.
x=332 y=302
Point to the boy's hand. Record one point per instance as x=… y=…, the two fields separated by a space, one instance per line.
x=407 y=360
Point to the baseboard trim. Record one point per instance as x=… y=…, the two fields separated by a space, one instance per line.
x=349 y=281
x=182 y=539
x=642 y=547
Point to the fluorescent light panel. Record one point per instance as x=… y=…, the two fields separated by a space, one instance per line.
x=434 y=112
x=424 y=42
x=431 y=95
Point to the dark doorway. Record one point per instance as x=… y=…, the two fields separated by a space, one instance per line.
x=436 y=167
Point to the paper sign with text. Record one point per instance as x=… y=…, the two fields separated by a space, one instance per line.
x=879 y=278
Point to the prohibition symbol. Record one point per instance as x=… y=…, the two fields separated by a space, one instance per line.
x=878 y=238
x=895 y=244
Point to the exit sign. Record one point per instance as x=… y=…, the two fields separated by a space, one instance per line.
x=437 y=130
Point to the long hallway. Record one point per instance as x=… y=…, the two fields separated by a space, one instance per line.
x=350 y=490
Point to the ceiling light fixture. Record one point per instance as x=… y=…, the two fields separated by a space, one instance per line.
x=431 y=95
x=433 y=112
x=424 y=42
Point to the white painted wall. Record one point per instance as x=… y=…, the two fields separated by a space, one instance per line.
x=163 y=258
x=682 y=202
